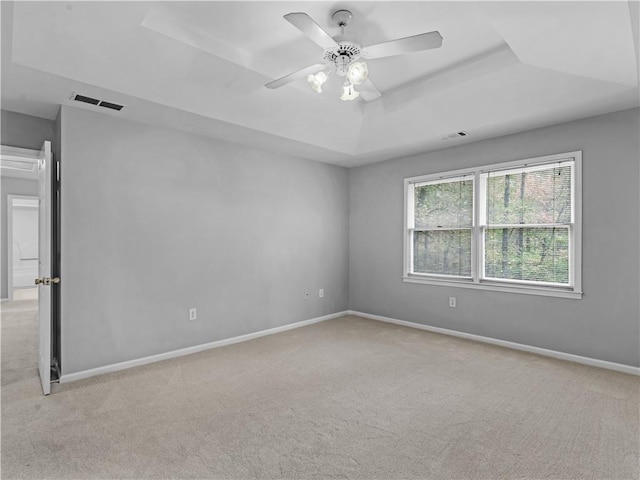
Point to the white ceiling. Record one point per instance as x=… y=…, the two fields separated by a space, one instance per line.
x=201 y=67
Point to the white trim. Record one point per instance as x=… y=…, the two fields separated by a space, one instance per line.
x=409 y=222
x=441 y=179
x=26 y=155
x=72 y=377
x=19 y=152
x=576 y=238
x=530 y=162
x=523 y=289
x=618 y=367
x=518 y=167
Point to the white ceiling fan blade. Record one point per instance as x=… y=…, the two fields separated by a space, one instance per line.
x=296 y=75
x=415 y=43
x=311 y=29
x=368 y=91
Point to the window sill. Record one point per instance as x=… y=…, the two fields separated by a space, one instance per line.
x=494 y=287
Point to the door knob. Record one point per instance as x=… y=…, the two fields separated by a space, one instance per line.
x=47 y=280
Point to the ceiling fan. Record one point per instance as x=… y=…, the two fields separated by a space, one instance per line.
x=340 y=55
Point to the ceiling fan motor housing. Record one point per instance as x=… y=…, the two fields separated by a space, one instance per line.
x=342 y=55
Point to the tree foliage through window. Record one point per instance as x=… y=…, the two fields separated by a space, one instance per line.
x=508 y=224
x=527 y=233
x=443 y=218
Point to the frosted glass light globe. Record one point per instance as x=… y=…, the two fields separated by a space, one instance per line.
x=349 y=93
x=317 y=80
x=357 y=73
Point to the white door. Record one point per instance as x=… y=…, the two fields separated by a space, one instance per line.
x=44 y=266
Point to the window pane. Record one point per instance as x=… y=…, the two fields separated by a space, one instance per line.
x=530 y=254
x=444 y=205
x=443 y=252
x=540 y=196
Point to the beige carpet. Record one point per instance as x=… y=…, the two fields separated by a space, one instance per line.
x=28 y=293
x=346 y=398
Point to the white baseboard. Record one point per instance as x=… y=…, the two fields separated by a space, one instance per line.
x=618 y=367
x=72 y=377
x=2 y=300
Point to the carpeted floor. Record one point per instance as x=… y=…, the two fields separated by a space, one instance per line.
x=346 y=398
x=28 y=293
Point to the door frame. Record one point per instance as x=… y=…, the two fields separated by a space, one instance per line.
x=21 y=163
x=17 y=162
x=10 y=208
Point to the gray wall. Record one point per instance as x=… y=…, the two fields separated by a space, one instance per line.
x=155 y=221
x=604 y=324
x=24 y=131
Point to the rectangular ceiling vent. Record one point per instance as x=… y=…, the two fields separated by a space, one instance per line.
x=94 y=101
x=451 y=136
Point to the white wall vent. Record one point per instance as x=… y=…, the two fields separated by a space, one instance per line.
x=95 y=101
x=451 y=136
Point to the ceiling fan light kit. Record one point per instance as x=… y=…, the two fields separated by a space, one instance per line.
x=349 y=92
x=340 y=55
x=317 y=80
x=357 y=73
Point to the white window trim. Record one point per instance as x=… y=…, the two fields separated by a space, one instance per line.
x=573 y=291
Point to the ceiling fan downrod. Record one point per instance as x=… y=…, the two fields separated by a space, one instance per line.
x=345 y=52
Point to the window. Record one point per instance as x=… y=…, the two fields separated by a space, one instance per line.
x=511 y=227
x=442 y=227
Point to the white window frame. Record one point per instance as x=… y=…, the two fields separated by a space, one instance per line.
x=573 y=290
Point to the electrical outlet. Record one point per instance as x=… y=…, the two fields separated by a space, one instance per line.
x=306 y=295
x=321 y=293
x=452 y=302
x=193 y=313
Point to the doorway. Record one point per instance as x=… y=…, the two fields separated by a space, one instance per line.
x=22 y=245
x=31 y=249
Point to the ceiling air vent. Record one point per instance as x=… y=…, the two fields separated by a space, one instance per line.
x=451 y=136
x=112 y=106
x=95 y=101
x=82 y=98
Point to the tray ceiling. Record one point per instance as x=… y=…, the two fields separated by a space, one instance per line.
x=201 y=67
